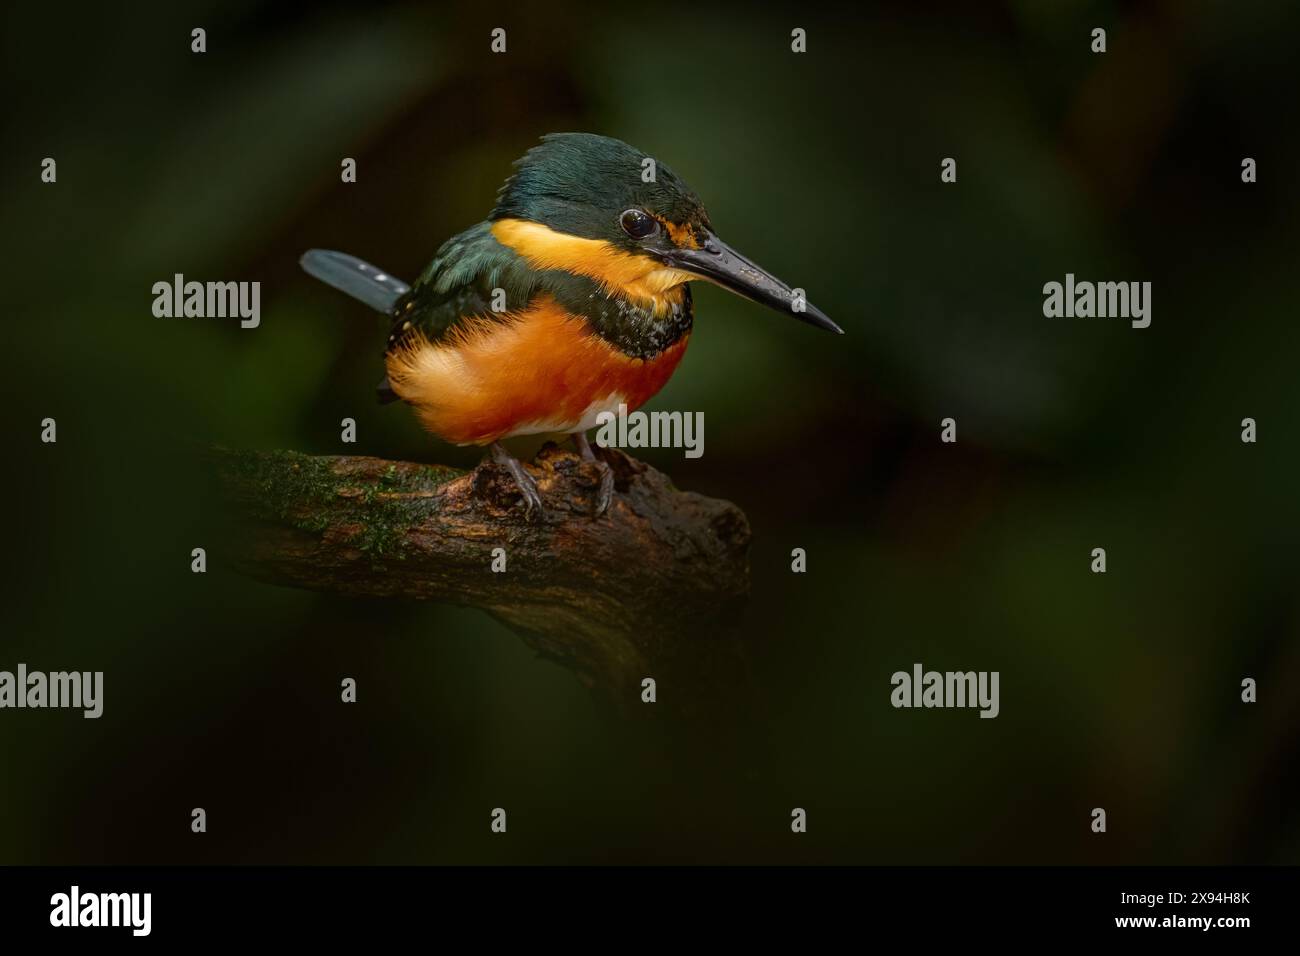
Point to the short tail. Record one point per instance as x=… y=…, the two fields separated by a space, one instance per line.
x=375 y=287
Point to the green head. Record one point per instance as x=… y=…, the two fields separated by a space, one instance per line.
x=628 y=206
x=580 y=184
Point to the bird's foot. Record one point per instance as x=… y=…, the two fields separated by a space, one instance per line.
x=533 y=510
x=605 y=492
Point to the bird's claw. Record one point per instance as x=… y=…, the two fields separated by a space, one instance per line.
x=605 y=491
x=532 y=498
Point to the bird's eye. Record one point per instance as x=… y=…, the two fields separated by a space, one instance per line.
x=637 y=224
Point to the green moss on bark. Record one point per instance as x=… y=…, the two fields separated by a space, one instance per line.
x=313 y=494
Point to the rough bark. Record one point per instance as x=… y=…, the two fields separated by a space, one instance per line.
x=652 y=588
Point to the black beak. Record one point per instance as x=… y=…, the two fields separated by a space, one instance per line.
x=724 y=266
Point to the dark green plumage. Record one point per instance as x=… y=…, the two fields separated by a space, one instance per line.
x=579 y=183
x=461 y=280
x=574 y=183
x=578 y=186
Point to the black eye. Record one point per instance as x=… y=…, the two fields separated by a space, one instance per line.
x=637 y=224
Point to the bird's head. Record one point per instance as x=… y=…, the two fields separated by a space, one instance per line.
x=594 y=206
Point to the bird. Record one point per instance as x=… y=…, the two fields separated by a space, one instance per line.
x=571 y=299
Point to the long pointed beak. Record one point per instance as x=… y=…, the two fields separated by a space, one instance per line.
x=720 y=264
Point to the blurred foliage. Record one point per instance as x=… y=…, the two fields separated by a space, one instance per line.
x=1118 y=691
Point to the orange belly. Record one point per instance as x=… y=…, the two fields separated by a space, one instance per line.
x=541 y=371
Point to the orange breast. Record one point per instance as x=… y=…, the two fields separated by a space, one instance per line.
x=541 y=371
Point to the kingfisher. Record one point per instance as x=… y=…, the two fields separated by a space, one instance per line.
x=571 y=299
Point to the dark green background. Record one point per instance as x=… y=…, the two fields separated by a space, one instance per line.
x=1118 y=690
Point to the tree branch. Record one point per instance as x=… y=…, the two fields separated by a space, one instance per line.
x=643 y=591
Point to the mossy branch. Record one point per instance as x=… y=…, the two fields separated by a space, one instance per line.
x=645 y=590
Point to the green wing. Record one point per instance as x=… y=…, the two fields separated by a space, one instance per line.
x=472 y=269
x=460 y=283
